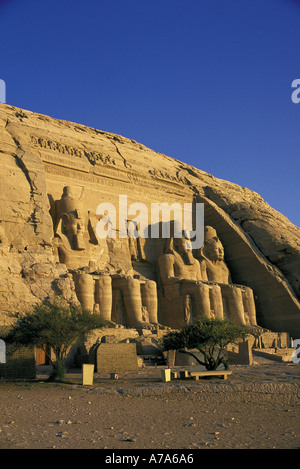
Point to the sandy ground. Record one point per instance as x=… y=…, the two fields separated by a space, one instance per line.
x=256 y=408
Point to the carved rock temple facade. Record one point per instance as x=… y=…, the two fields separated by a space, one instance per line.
x=54 y=174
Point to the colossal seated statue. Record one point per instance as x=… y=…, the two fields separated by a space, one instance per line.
x=95 y=288
x=185 y=294
x=238 y=300
x=201 y=285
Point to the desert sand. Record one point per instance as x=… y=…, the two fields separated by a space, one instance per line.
x=257 y=407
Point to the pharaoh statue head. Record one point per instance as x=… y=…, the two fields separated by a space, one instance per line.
x=70 y=212
x=212 y=248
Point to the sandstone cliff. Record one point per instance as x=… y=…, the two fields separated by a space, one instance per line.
x=41 y=155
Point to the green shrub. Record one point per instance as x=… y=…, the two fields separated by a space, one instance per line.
x=53 y=324
x=208 y=336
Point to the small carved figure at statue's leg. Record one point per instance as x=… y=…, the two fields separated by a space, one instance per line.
x=103 y=296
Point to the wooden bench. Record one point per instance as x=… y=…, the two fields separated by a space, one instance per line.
x=198 y=374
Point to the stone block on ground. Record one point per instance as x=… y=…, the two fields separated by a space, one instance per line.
x=113 y=358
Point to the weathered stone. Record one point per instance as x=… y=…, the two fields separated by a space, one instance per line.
x=113 y=358
x=147 y=346
x=54 y=176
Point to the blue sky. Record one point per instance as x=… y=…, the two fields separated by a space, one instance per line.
x=205 y=81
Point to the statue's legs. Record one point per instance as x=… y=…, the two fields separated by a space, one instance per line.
x=131 y=292
x=241 y=304
x=216 y=302
x=103 y=296
x=234 y=297
x=201 y=297
x=249 y=305
x=84 y=288
x=149 y=299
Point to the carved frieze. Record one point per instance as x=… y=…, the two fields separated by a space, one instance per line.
x=68 y=150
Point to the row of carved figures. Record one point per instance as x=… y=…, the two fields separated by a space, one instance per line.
x=188 y=283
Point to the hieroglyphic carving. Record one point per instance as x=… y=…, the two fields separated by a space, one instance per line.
x=93 y=156
x=56 y=146
x=157 y=173
x=106 y=176
x=71 y=173
x=98 y=158
x=77 y=164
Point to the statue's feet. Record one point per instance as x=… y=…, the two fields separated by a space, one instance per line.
x=110 y=324
x=254 y=328
x=161 y=326
x=145 y=325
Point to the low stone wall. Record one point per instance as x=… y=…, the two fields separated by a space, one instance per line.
x=20 y=363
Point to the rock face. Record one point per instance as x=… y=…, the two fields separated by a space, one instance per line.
x=54 y=174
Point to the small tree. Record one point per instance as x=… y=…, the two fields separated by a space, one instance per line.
x=53 y=324
x=209 y=336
